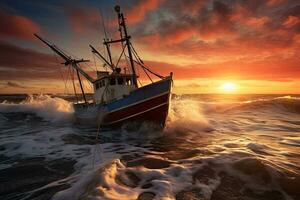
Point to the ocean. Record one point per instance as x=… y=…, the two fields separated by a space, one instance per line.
x=217 y=147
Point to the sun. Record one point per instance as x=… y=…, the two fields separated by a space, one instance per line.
x=228 y=87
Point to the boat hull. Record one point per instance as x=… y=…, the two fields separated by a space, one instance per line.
x=148 y=104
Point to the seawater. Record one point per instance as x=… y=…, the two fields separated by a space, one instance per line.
x=214 y=147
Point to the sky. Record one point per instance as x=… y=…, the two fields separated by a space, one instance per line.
x=253 y=45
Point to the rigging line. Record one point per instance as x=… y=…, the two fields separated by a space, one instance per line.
x=60 y=71
x=98 y=144
x=140 y=82
x=135 y=55
x=67 y=79
x=101 y=59
x=120 y=55
x=90 y=84
x=66 y=52
x=95 y=62
x=143 y=65
x=134 y=51
x=74 y=85
x=145 y=72
x=103 y=24
x=148 y=75
x=105 y=56
x=84 y=84
x=82 y=67
x=127 y=62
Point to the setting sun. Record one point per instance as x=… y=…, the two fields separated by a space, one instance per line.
x=228 y=87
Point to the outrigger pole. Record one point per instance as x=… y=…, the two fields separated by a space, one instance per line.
x=102 y=57
x=70 y=61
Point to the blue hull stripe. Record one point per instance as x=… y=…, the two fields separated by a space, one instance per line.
x=141 y=94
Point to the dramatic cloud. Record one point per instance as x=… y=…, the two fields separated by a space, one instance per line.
x=84 y=19
x=139 y=11
x=213 y=39
x=14 y=84
x=14 y=26
x=260 y=70
x=21 y=63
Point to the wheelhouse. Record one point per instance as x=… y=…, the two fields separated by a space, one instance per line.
x=109 y=87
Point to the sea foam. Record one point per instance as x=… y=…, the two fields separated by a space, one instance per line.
x=52 y=109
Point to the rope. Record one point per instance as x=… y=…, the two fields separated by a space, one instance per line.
x=121 y=55
x=74 y=85
x=60 y=71
x=95 y=62
x=141 y=63
x=98 y=144
x=101 y=59
x=140 y=82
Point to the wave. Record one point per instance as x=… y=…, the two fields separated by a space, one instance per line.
x=49 y=108
x=186 y=115
x=283 y=103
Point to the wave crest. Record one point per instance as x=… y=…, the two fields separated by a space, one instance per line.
x=53 y=109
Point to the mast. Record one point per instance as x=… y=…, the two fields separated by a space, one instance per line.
x=69 y=61
x=122 y=23
x=83 y=94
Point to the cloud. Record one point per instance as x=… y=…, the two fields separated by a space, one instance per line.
x=291 y=21
x=271 y=69
x=137 y=13
x=16 y=57
x=222 y=31
x=18 y=63
x=16 y=26
x=83 y=19
x=274 y=2
x=21 y=63
x=14 y=84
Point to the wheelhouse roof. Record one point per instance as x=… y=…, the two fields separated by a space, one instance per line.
x=114 y=75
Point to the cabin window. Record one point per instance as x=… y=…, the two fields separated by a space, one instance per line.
x=97 y=85
x=128 y=81
x=100 y=84
x=120 y=81
x=103 y=83
x=112 y=81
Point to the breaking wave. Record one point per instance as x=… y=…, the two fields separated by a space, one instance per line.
x=49 y=108
x=209 y=150
x=282 y=104
x=186 y=115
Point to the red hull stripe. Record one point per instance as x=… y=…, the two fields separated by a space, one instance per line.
x=157 y=110
x=136 y=109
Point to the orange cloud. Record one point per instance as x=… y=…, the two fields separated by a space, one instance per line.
x=257 y=22
x=21 y=63
x=15 y=26
x=138 y=12
x=274 y=2
x=291 y=21
x=83 y=20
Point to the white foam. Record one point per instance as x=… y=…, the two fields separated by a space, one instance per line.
x=51 y=109
x=186 y=114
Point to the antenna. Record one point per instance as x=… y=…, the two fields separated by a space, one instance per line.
x=103 y=24
x=105 y=38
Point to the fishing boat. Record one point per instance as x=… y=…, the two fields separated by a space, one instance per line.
x=118 y=97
